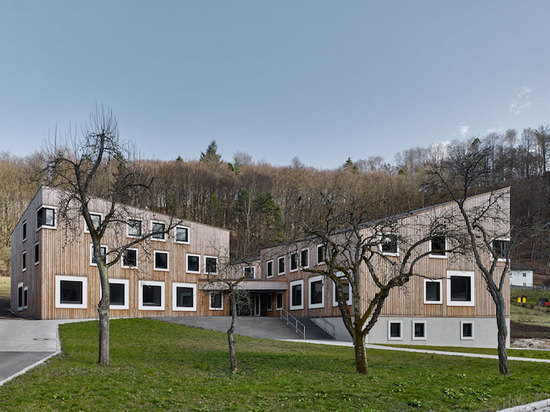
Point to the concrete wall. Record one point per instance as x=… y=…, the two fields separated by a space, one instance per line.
x=517 y=278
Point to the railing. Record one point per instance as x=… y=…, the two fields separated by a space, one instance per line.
x=324 y=324
x=298 y=326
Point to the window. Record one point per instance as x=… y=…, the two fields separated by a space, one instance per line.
x=130 y=258
x=96 y=221
x=25 y=297
x=118 y=288
x=158 y=230
x=151 y=296
x=304 y=258
x=181 y=234
x=279 y=301
x=501 y=247
x=249 y=272
x=20 y=297
x=24 y=261
x=316 y=292
x=293 y=262
x=320 y=254
x=269 y=269
x=37 y=253
x=184 y=297
x=45 y=217
x=418 y=330
x=281 y=266
x=344 y=285
x=296 y=292
x=193 y=263
x=24 y=229
x=466 y=330
x=525 y=275
x=161 y=260
x=388 y=245
x=394 y=330
x=216 y=300
x=460 y=288
x=269 y=305
x=103 y=251
x=432 y=291
x=71 y=292
x=133 y=228
x=438 y=247
x=210 y=264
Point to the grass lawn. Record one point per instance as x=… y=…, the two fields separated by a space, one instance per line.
x=536 y=316
x=5 y=287
x=162 y=366
x=532 y=295
x=520 y=353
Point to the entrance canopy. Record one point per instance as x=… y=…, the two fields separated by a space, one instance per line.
x=250 y=285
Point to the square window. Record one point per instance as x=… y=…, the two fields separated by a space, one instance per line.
x=501 y=248
x=269 y=269
x=210 y=264
x=432 y=291
x=158 y=230
x=161 y=260
x=466 y=330
x=279 y=301
x=216 y=300
x=296 y=292
x=24 y=230
x=460 y=288
x=71 y=292
x=304 y=258
x=293 y=262
x=438 y=246
x=184 y=296
x=37 y=253
x=389 y=245
x=394 y=330
x=181 y=234
x=151 y=295
x=281 y=266
x=133 y=228
x=93 y=261
x=249 y=272
x=320 y=254
x=96 y=221
x=118 y=289
x=45 y=217
x=345 y=286
x=24 y=261
x=130 y=258
x=316 y=292
x=419 y=330
x=193 y=263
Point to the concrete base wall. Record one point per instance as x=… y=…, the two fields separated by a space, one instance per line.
x=439 y=331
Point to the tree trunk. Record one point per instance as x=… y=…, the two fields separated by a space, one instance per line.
x=103 y=311
x=230 y=341
x=360 y=354
x=501 y=337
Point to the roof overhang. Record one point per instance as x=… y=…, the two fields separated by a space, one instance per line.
x=250 y=285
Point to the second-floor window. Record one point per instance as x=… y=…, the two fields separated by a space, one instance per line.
x=96 y=221
x=249 y=272
x=320 y=254
x=133 y=228
x=93 y=260
x=45 y=217
x=501 y=248
x=269 y=267
x=181 y=234
x=304 y=258
x=24 y=230
x=159 y=231
x=161 y=260
x=438 y=246
x=130 y=258
x=211 y=264
x=281 y=265
x=389 y=244
x=293 y=262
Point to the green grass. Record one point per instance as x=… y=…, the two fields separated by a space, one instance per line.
x=532 y=295
x=5 y=291
x=535 y=316
x=520 y=353
x=162 y=366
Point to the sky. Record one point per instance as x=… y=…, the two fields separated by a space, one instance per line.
x=320 y=80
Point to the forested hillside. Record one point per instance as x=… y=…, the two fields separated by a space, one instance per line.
x=262 y=204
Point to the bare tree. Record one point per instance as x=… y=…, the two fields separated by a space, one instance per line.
x=95 y=163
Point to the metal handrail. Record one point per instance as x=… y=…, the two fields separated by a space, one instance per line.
x=328 y=326
x=298 y=326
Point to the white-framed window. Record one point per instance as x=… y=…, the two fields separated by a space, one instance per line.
x=249 y=272
x=129 y=258
x=279 y=301
x=293 y=262
x=389 y=244
x=151 y=295
x=501 y=248
x=438 y=247
x=210 y=265
x=25 y=297
x=321 y=254
x=345 y=291
x=192 y=263
x=216 y=301
x=269 y=269
x=119 y=290
x=134 y=227
x=460 y=288
x=20 y=296
x=102 y=248
x=466 y=330
x=297 y=294
x=316 y=292
x=418 y=330
x=432 y=291
x=71 y=292
x=24 y=230
x=184 y=297
x=23 y=261
x=46 y=217
x=158 y=230
x=36 y=253
x=281 y=266
x=97 y=218
x=181 y=235
x=161 y=260
x=269 y=306
x=395 y=330
x=304 y=258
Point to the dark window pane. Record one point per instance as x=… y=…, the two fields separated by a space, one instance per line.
x=152 y=295
x=158 y=230
x=344 y=287
x=45 y=217
x=193 y=263
x=317 y=292
x=279 y=300
x=320 y=254
x=25 y=297
x=211 y=265
x=395 y=330
x=216 y=300
x=467 y=330
x=389 y=243
x=269 y=268
x=501 y=248
x=249 y=272
x=460 y=288
x=24 y=261
x=182 y=234
x=24 y=230
x=36 y=252
x=419 y=330
x=129 y=258
x=296 y=295
x=71 y=292
x=433 y=291
x=20 y=297
x=134 y=227
x=184 y=297
x=438 y=246
x=282 y=265
x=304 y=258
x=161 y=260
x=293 y=261
x=117 y=294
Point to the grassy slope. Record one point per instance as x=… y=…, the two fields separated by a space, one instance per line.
x=5 y=287
x=520 y=353
x=163 y=366
x=536 y=316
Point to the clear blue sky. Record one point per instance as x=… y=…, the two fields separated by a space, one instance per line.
x=321 y=80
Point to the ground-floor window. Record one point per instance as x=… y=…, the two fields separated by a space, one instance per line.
x=20 y=296
x=25 y=297
x=345 y=287
x=432 y=291
x=184 y=296
x=419 y=330
x=316 y=292
x=394 y=330
x=71 y=292
x=296 y=295
x=193 y=264
x=216 y=300
x=269 y=304
x=279 y=301
x=151 y=296
x=119 y=291
x=466 y=330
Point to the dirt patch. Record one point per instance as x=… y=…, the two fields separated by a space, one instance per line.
x=524 y=331
x=531 y=343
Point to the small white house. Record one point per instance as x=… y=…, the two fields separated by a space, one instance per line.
x=521 y=275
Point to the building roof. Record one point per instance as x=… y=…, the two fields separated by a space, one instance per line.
x=519 y=266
